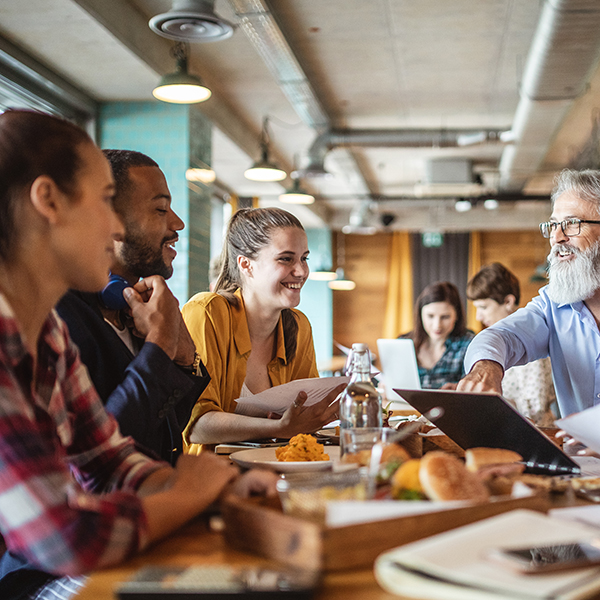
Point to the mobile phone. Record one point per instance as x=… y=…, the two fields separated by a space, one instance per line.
x=544 y=559
x=219 y=582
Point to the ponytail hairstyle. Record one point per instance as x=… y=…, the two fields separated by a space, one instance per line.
x=441 y=291
x=249 y=231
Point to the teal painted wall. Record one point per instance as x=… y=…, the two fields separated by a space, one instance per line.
x=317 y=299
x=173 y=135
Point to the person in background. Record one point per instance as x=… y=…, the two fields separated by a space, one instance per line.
x=562 y=322
x=143 y=370
x=250 y=336
x=495 y=293
x=440 y=335
x=75 y=495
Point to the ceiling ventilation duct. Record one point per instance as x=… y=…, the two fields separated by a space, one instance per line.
x=192 y=21
x=449 y=177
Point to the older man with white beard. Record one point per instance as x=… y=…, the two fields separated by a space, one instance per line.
x=563 y=321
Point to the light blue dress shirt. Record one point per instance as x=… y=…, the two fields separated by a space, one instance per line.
x=566 y=332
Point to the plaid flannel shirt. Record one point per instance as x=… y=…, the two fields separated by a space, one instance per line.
x=450 y=368
x=67 y=476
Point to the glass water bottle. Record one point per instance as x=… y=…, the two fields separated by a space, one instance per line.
x=360 y=404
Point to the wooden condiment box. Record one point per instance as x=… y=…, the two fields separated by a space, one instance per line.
x=260 y=526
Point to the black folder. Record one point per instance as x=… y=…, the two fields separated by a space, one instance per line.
x=488 y=420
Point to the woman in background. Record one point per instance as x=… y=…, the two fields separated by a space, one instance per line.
x=75 y=495
x=440 y=336
x=249 y=334
x=495 y=293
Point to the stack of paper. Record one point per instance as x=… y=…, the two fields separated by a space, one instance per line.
x=455 y=565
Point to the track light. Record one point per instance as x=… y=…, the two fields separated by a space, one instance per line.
x=296 y=195
x=340 y=283
x=264 y=170
x=181 y=87
x=322 y=275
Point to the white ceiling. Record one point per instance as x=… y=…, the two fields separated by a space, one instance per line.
x=377 y=64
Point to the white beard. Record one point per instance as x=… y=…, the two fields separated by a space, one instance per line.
x=574 y=280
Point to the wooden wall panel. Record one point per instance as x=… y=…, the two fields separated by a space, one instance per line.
x=519 y=251
x=358 y=314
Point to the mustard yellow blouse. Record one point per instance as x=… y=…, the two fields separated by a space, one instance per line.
x=220 y=332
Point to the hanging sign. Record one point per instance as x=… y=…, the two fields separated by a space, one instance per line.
x=432 y=239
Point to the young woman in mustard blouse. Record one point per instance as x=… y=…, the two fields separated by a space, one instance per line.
x=249 y=334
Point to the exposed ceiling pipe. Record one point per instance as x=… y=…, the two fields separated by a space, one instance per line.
x=397 y=138
x=564 y=50
x=263 y=31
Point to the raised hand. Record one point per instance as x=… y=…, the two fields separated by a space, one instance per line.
x=155 y=313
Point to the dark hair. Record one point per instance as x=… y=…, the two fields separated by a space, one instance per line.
x=441 y=291
x=33 y=144
x=248 y=232
x=494 y=281
x=120 y=163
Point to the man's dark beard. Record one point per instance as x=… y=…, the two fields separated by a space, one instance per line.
x=143 y=260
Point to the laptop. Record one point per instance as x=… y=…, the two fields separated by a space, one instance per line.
x=398 y=366
x=488 y=420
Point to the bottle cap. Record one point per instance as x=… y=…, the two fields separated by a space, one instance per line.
x=360 y=347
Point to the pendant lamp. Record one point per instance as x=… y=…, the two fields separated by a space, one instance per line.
x=264 y=170
x=180 y=87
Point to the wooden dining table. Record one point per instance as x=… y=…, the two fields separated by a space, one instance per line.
x=200 y=544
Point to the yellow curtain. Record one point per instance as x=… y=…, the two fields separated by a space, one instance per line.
x=399 y=305
x=474 y=267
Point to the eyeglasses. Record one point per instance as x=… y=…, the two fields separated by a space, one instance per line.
x=570 y=227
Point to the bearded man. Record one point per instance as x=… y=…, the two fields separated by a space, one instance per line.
x=562 y=322
x=133 y=341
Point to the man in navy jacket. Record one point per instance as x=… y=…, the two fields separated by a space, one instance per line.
x=140 y=356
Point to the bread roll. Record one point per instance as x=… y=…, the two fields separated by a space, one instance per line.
x=445 y=477
x=475 y=458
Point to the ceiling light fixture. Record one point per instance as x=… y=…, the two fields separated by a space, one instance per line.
x=340 y=283
x=322 y=275
x=203 y=175
x=491 y=204
x=296 y=195
x=463 y=205
x=263 y=170
x=181 y=87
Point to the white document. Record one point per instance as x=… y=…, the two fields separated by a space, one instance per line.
x=589 y=515
x=278 y=399
x=584 y=426
x=455 y=565
x=590 y=465
x=350 y=512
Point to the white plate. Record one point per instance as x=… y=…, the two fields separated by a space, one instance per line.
x=265 y=457
x=328 y=432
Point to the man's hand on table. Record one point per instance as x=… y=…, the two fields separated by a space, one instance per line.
x=485 y=376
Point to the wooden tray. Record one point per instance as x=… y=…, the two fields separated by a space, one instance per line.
x=261 y=527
